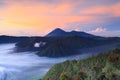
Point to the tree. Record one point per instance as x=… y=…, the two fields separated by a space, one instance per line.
x=63 y=76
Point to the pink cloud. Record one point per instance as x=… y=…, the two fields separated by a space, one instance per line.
x=107 y=33
x=99 y=30
x=108 y=11
x=104 y=32
x=39 y=18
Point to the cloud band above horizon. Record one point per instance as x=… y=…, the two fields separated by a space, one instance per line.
x=38 y=17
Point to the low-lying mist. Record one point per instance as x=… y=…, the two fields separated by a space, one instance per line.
x=28 y=66
x=25 y=65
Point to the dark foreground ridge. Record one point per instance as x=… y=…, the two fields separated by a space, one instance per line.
x=105 y=66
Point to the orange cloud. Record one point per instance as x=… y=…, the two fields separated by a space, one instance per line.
x=115 y=10
x=111 y=11
x=44 y=22
x=40 y=18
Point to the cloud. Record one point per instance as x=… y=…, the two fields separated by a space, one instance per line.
x=99 y=30
x=106 y=11
x=38 y=17
x=105 y=32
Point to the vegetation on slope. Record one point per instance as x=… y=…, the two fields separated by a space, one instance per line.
x=105 y=66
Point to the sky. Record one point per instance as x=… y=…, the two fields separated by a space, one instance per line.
x=39 y=17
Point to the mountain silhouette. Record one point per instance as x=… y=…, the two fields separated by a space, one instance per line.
x=61 y=33
x=56 y=32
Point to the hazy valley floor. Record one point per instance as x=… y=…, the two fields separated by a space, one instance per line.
x=28 y=66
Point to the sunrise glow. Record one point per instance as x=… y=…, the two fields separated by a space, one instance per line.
x=38 y=17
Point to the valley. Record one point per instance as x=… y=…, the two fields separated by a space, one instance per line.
x=34 y=58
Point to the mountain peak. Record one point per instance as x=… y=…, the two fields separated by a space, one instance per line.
x=61 y=33
x=56 y=32
x=58 y=29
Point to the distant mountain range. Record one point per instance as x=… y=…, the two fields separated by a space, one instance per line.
x=59 y=43
x=61 y=33
x=11 y=39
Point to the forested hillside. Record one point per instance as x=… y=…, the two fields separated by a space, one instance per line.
x=105 y=66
